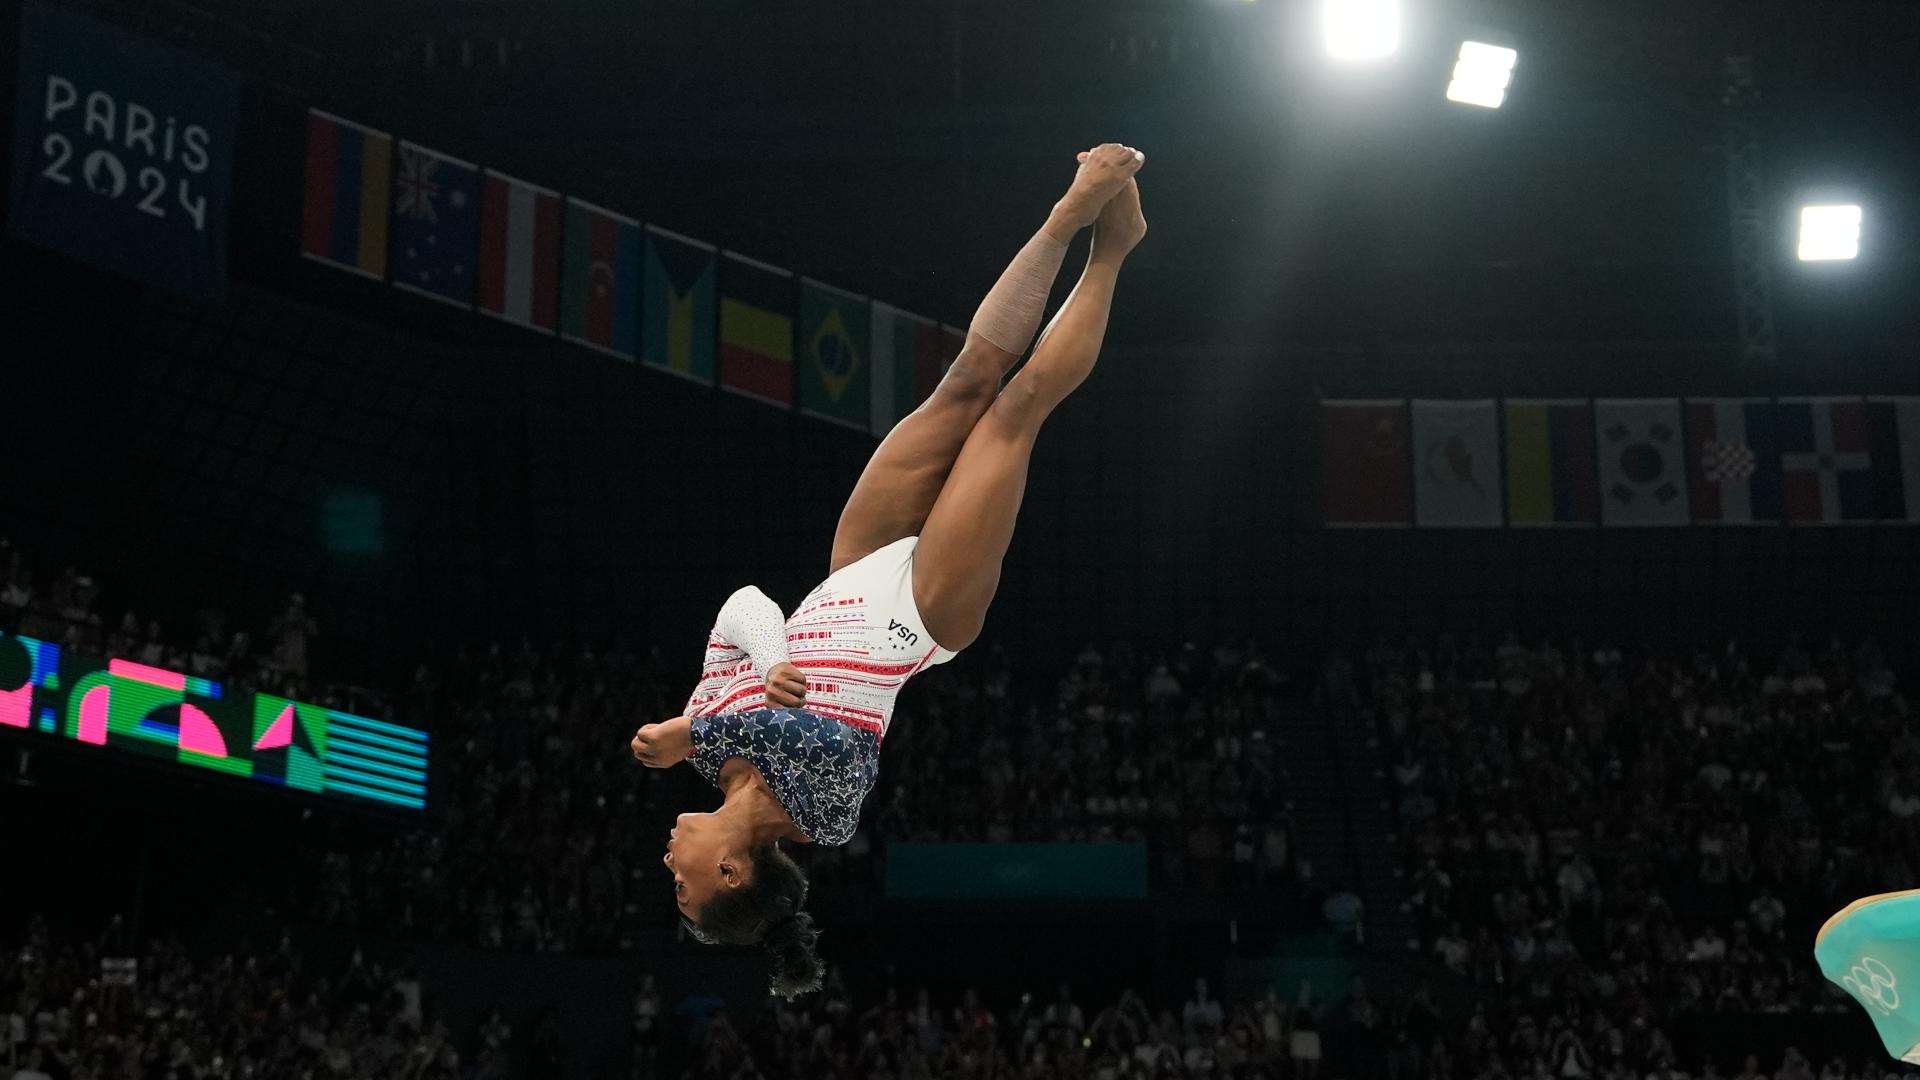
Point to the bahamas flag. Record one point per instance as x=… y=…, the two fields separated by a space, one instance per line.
x=756 y=330
x=600 y=279
x=836 y=364
x=677 y=306
x=343 y=220
x=1551 y=475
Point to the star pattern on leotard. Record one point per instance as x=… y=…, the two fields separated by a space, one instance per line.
x=819 y=768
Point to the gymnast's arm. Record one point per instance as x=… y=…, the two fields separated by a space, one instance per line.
x=755 y=624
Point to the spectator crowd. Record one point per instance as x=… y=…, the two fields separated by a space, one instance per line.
x=1601 y=843
x=1597 y=844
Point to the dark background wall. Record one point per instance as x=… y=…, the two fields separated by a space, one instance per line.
x=1311 y=237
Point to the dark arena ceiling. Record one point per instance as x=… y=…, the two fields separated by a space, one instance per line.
x=903 y=148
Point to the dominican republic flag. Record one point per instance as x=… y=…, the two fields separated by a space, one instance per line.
x=1551 y=478
x=519 y=252
x=1733 y=461
x=435 y=216
x=1364 y=481
x=1643 y=469
x=343 y=221
x=1893 y=440
x=1826 y=461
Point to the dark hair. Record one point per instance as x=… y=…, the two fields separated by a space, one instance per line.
x=766 y=911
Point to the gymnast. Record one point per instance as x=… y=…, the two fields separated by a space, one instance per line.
x=789 y=712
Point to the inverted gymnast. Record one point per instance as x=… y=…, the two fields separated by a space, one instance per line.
x=789 y=712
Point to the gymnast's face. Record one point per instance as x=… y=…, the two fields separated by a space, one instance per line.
x=705 y=858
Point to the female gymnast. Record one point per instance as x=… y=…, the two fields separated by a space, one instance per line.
x=789 y=712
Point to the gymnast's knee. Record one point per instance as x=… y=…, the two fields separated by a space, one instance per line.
x=972 y=381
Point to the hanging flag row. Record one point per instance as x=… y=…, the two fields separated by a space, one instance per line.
x=455 y=232
x=1646 y=462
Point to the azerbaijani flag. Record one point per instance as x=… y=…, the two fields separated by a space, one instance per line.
x=519 y=268
x=1551 y=475
x=343 y=220
x=756 y=330
x=600 y=279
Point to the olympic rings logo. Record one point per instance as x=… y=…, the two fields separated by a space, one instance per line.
x=1873 y=983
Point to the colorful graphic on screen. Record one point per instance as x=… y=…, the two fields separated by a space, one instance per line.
x=138 y=709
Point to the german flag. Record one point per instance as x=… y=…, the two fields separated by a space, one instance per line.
x=756 y=330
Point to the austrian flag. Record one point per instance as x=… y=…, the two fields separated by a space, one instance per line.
x=519 y=268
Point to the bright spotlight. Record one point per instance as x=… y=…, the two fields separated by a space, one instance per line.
x=1361 y=29
x=1829 y=232
x=1481 y=75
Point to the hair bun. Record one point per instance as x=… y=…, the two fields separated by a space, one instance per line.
x=796 y=969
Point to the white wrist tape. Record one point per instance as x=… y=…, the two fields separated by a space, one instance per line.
x=1010 y=315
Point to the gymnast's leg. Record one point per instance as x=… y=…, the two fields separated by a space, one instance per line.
x=905 y=475
x=956 y=568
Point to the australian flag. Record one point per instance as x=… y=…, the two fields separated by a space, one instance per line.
x=436 y=205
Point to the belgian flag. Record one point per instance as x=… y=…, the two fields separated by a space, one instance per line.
x=756 y=330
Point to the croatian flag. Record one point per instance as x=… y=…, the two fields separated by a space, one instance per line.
x=1733 y=461
x=1826 y=467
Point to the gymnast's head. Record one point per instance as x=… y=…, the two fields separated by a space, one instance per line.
x=732 y=893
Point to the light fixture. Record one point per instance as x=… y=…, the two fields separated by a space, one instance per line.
x=1829 y=232
x=1360 y=29
x=1481 y=75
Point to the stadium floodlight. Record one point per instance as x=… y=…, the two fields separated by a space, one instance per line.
x=1481 y=75
x=1360 y=29
x=1829 y=232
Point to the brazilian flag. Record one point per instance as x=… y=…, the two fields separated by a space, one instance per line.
x=835 y=362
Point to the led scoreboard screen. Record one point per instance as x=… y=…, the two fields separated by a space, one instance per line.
x=132 y=708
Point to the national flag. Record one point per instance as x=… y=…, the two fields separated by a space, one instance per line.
x=1643 y=469
x=519 y=252
x=1893 y=439
x=343 y=219
x=677 y=309
x=1551 y=477
x=903 y=346
x=1363 y=464
x=756 y=330
x=1733 y=461
x=1456 y=464
x=600 y=279
x=1826 y=463
x=435 y=224
x=836 y=363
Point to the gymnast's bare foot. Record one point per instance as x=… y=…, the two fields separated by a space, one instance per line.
x=1103 y=171
x=1120 y=225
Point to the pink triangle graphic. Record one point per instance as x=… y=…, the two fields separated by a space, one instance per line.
x=278 y=733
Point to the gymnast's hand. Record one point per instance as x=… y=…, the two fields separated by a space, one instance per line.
x=662 y=746
x=786 y=687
